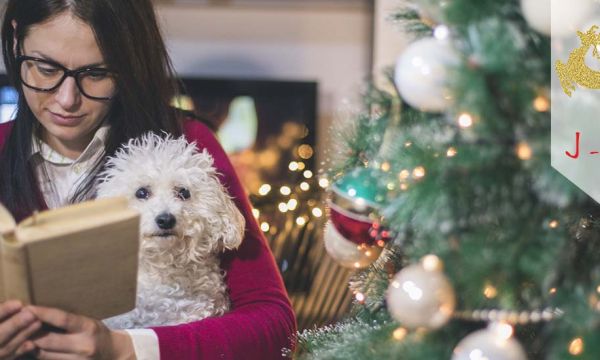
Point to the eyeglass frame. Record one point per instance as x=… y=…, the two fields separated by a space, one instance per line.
x=66 y=73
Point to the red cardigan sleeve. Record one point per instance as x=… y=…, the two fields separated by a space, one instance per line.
x=261 y=322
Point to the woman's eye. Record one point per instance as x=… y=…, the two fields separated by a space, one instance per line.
x=142 y=193
x=183 y=193
x=96 y=74
x=49 y=71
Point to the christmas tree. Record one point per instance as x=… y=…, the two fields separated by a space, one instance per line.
x=467 y=244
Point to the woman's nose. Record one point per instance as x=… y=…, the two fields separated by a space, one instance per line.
x=68 y=94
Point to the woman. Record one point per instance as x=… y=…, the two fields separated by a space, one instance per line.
x=92 y=74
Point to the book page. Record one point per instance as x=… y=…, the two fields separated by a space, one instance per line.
x=7 y=222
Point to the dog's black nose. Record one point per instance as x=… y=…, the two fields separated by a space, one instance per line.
x=165 y=221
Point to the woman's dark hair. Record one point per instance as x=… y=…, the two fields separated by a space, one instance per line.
x=130 y=41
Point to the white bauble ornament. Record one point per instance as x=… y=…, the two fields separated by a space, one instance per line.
x=558 y=18
x=420 y=295
x=422 y=74
x=345 y=252
x=494 y=343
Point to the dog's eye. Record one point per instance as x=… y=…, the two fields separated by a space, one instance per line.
x=142 y=193
x=183 y=193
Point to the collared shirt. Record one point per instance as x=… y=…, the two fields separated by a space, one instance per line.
x=59 y=177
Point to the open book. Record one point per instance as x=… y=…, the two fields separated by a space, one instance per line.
x=81 y=258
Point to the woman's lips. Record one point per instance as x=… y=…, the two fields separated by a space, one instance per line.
x=65 y=120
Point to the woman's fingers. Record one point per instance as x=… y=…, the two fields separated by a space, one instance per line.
x=62 y=343
x=25 y=347
x=11 y=327
x=50 y=355
x=9 y=308
x=58 y=318
x=17 y=341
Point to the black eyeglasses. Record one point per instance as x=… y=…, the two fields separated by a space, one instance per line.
x=44 y=75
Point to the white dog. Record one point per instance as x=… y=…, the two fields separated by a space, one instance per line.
x=187 y=219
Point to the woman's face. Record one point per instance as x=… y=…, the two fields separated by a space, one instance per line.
x=68 y=118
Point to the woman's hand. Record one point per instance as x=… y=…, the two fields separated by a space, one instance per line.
x=16 y=326
x=84 y=338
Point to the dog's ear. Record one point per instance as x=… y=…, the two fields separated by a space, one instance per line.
x=227 y=225
x=233 y=225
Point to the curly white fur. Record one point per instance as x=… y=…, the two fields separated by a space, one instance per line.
x=179 y=277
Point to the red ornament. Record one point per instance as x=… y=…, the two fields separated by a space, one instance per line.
x=354 y=228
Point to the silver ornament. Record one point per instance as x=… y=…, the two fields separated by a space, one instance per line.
x=494 y=343
x=420 y=295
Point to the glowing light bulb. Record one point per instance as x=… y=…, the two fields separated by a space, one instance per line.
x=308 y=174
x=292 y=204
x=432 y=263
x=451 y=152
x=265 y=226
x=576 y=346
x=285 y=190
x=385 y=166
x=490 y=291
x=304 y=186
x=300 y=220
x=317 y=212
x=360 y=297
x=541 y=103
x=524 y=152
x=282 y=207
x=264 y=189
x=403 y=175
x=465 y=120
x=553 y=224
x=323 y=183
x=419 y=172
x=400 y=333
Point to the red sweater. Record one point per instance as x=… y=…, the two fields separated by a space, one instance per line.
x=261 y=322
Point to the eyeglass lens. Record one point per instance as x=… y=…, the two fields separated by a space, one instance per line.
x=97 y=83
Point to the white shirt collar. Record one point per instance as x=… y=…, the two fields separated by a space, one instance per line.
x=92 y=151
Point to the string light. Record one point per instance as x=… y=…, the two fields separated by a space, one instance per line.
x=324 y=183
x=300 y=220
x=400 y=333
x=419 y=172
x=524 y=152
x=576 y=346
x=552 y=291
x=465 y=120
x=264 y=189
x=256 y=213
x=441 y=32
x=403 y=187
x=301 y=165
x=317 y=212
x=360 y=297
x=451 y=152
x=282 y=207
x=305 y=151
x=264 y=226
x=432 y=263
x=408 y=144
x=292 y=204
x=391 y=186
x=598 y=289
x=307 y=174
x=285 y=190
x=553 y=224
x=385 y=166
x=490 y=291
x=541 y=103
x=403 y=175
x=293 y=166
x=304 y=186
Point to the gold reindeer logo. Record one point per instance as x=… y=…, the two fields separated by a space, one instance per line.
x=575 y=71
